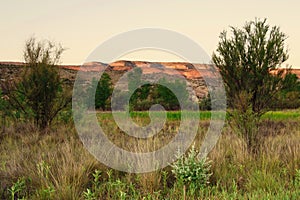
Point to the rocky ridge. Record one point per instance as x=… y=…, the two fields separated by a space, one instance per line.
x=195 y=74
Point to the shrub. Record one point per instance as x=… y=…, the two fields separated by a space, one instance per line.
x=192 y=172
x=249 y=60
x=40 y=94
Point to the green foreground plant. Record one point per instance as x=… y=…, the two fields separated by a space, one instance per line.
x=191 y=172
x=17 y=189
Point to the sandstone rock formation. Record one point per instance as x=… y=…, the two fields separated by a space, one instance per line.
x=196 y=74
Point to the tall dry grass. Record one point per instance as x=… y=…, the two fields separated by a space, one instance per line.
x=57 y=166
x=55 y=161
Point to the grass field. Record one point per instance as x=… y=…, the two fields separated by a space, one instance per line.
x=206 y=115
x=282 y=115
x=57 y=166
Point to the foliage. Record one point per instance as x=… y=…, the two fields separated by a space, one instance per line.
x=121 y=96
x=205 y=103
x=40 y=94
x=291 y=83
x=17 y=189
x=103 y=91
x=171 y=93
x=142 y=98
x=297 y=178
x=192 y=171
x=144 y=94
x=289 y=95
x=245 y=121
x=249 y=62
x=134 y=79
x=139 y=90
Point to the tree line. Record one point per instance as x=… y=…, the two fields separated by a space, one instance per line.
x=143 y=96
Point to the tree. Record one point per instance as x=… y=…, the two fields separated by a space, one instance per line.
x=145 y=94
x=205 y=103
x=166 y=96
x=289 y=95
x=249 y=61
x=134 y=82
x=40 y=93
x=103 y=91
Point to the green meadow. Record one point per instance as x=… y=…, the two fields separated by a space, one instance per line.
x=206 y=115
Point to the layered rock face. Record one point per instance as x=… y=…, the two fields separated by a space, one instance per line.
x=196 y=75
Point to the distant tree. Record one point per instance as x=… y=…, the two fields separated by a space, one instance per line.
x=134 y=78
x=289 y=95
x=249 y=61
x=141 y=99
x=145 y=91
x=103 y=91
x=291 y=83
x=205 y=103
x=144 y=94
x=134 y=82
x=39 y=93
x=166 y=93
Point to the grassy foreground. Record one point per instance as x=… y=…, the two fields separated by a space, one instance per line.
x=57 y=166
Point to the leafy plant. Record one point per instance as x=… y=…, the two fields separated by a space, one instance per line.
x=46 y=193
x=191 y=171
x=89 y=195
x=297 y=178
x=101 y=90
x=40 y=95
x=249 y=61
x=92 y=193
x=205 y=103
x=17 y=188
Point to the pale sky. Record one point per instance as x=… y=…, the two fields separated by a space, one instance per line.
x=81 y=26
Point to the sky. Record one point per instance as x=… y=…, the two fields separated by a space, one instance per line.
x=80 y=26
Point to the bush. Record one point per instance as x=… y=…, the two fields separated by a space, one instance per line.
x=192 y=172
x=40 y=95
x=249 y=60
x=205 y=103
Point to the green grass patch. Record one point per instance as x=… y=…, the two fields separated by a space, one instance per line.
x=206 y=115
x=282 y=115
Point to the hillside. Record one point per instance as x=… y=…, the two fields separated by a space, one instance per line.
x=12 y=70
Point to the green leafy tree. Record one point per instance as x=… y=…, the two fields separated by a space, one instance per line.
x=103 y=91
x=40 y=93
x=289 y=95
x=141 y=99
x=249 y=61
x=144 y=94
x=205 y=103
x=134 y=80
x=166 y=93
x=291 y=83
